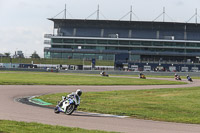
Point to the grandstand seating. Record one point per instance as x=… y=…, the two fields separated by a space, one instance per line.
x=85 y=32
x=136 y=33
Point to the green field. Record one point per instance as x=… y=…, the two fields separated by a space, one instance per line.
x=174 y=105
x=23 y=127
x=56 y=61
x=44 y=78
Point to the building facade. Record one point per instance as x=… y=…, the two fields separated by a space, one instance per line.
x=133 y=41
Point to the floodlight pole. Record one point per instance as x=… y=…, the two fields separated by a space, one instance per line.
x=98 y=12
x=131 y=12
x=163 y=14
x=196 y=15
x=65 y=12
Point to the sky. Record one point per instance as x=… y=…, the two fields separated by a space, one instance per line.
x=23 y=23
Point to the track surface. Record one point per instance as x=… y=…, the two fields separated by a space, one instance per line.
x=13 y=110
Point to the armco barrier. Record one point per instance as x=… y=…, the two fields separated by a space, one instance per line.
x=196 y=74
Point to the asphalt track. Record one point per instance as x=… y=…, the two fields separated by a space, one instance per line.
x=11 y=109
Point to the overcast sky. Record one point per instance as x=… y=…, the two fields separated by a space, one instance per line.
x=23 y=23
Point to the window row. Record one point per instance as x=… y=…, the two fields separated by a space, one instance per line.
x=125 y=42
x=128 y=48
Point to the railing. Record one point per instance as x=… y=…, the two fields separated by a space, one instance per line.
x=159 y=62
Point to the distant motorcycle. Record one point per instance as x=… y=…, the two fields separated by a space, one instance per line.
x=177 y=77
x=104 y=74
x=189 y=78
x=142 y=76
x=67 y=105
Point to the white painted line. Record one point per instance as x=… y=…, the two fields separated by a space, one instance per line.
x=103 y=115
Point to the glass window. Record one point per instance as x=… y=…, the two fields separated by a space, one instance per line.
x=56 y=55
x=57 y=46
x=74 y=47
x=110 y=57
x=89 y=56
x=124 y=42
x=100 y=48
x=198 y=45
x=102 y=41
x=79 y=41
x=67 y=46
x=146 y=43
x=88 y=47
x=169 y=44
x=91 y=41
x=123 y=48
x=191 y=44
x=77 y=56
x=157 y=43
x=180 y=44
x=67 y=55
x=68 y=41
x=179 y=50
x=113 y=42
x=111 y=48
x=57 y=40
x=135 y=42
x=46 y=54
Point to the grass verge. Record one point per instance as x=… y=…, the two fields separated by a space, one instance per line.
x=31 y=78
x=57 y=61
x=174 y=105
x=24 y=127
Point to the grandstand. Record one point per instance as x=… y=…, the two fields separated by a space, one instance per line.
x=129 y=42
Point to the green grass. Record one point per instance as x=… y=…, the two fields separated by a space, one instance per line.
x=57 y=61
x=23 y=127
x=173 y=105
x=31 y=78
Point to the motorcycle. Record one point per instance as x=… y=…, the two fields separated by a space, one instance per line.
x=142 y=76
x=104 y=74
x=67 y=105
x=189 y=79
x=177 y=78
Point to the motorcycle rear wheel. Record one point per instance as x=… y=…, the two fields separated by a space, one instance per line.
x=70 y=109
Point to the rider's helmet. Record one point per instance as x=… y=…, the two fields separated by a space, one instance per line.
x=175 y=74
x=78 y=92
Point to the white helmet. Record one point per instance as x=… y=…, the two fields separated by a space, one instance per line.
x=78 y=92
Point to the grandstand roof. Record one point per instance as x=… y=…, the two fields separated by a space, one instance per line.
x=122 y=24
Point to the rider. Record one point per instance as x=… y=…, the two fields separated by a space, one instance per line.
x=103 y=73
x=142 y=75
x=176 y=76
x=76 y=94
x=188 y=77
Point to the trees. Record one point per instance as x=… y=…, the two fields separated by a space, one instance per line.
x=35 y=55
x=7 y=54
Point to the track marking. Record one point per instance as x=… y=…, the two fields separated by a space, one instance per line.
x=29 y=101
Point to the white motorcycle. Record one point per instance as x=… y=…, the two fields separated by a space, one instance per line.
x=67 y=105
x=104 y=74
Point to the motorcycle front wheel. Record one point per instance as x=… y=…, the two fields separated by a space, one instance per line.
x=70 y=109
